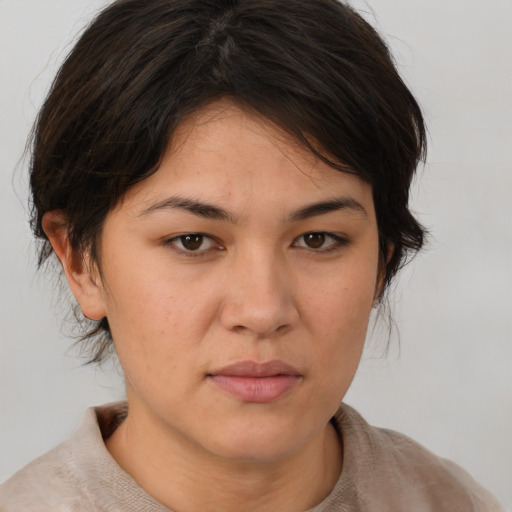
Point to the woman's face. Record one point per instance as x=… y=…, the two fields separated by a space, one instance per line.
x=238 y=282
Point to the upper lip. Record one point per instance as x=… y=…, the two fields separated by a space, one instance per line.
x=253 y=369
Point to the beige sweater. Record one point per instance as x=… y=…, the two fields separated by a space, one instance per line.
x=383 y=471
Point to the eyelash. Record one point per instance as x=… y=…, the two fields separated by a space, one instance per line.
x=192 y=253
x=336 y=243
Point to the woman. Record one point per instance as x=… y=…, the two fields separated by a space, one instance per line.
x=226 y=187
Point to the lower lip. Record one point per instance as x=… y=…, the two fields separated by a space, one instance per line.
x=256 y=389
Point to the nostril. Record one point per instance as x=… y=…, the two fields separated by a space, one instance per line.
x=262 y=333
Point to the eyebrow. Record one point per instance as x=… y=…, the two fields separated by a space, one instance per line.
x=210 y=211
x=323 y=207
x=189 y=205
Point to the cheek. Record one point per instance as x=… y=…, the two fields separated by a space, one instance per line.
x=155 y=336
x=337 y=317
x=341 y=306
x=153 y=315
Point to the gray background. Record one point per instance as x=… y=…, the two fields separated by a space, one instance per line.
x=448 y=381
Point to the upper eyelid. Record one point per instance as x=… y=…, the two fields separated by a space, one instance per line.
x=326 y=233
x=188 y=233
x=337 y=241
x=171 y=241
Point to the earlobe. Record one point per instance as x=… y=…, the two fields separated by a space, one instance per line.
x=82 y=277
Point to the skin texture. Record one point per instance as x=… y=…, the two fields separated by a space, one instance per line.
x=253 y=290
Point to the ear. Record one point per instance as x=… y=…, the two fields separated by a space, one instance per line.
x=381 y=276
x=81 y=274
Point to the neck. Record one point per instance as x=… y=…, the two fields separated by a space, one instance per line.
x=183 y=476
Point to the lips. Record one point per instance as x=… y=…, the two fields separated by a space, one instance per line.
x=256 y=382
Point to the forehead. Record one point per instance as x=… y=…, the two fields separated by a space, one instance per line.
x=234 y=155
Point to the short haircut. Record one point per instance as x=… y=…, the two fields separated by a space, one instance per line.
x=316 y=68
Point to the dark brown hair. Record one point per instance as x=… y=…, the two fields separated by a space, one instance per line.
x=315 y=68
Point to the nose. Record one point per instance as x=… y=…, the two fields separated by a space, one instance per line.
x=259 y=299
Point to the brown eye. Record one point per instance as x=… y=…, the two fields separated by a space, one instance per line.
x=314 y=240
x=321 y=242
x=191 y=242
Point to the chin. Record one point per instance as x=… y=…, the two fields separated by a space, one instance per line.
x=260 y=442
x=256 y=451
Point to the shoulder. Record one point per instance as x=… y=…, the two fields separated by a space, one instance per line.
x=388 y=467
x=70 y=477
x=79 y=475
x=47 y=483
